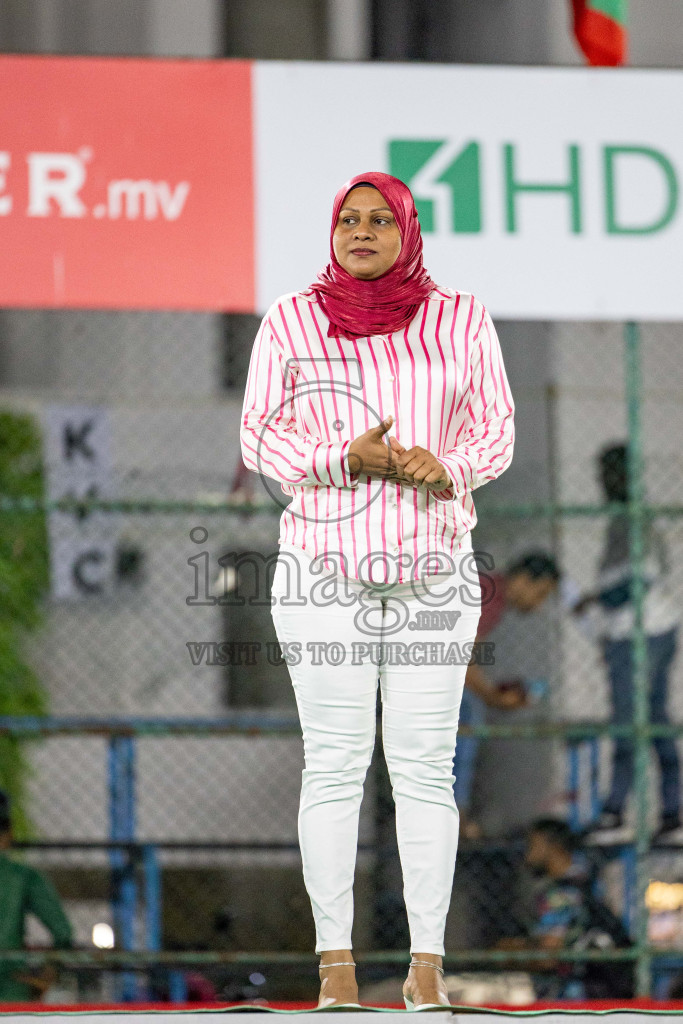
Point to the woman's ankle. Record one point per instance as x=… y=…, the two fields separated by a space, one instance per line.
x=335 y=955
x=338 y=984
x=424 y=985
x=432 y=958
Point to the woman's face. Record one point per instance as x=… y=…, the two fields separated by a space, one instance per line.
x=366 y=239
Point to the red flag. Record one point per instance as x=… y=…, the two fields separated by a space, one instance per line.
x=600 y=30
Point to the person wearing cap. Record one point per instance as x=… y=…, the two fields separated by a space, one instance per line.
x=24 y=891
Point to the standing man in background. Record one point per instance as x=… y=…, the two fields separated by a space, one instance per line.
x=611 y=610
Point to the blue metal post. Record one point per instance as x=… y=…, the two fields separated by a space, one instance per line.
x=177 y=987
x=152 y=876
x=152 y=887
x=122 y=829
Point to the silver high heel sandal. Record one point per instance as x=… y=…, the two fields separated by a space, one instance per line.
x=424 y=1006
x=334 y=1006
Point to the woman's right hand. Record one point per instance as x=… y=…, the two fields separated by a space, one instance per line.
x=369 y=455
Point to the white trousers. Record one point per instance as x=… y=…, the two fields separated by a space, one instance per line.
x=327 y=633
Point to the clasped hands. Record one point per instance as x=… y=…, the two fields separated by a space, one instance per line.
x=370 y=456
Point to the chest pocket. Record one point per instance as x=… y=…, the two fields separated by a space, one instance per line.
x=317 y=371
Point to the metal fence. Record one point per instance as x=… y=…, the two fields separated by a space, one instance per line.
x=164 y=776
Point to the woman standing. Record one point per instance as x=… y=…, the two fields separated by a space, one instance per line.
x=375 y=576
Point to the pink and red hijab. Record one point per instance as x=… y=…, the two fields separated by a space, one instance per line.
x=358 y=308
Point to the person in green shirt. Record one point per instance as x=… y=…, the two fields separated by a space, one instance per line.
x=24 y=891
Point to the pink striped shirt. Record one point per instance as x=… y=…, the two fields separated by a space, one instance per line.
x=308 y=396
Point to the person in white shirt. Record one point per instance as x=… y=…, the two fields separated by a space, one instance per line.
x=610 y=614
x=379 y=402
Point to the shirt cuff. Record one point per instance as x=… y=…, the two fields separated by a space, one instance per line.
x=331 y=465
x=461 y=476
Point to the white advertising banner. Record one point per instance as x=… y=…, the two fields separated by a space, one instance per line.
x=549 y=193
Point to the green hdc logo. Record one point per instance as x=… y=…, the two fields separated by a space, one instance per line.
x=419 y=163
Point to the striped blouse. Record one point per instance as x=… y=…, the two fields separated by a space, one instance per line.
x=308 y=396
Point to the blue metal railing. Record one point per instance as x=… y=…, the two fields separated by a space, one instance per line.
x=130 y=858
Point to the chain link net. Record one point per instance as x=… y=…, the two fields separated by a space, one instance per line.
x=219 y=809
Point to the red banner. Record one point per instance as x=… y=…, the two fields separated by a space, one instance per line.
x=126 y=184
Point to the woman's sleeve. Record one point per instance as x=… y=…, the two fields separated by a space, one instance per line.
x=271 y=440
x=486 y=436
x=43 y=901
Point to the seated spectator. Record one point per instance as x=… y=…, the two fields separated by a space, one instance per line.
x=568 y=916
x=24 y=891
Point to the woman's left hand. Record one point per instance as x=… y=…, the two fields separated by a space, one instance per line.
x=419 y=467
